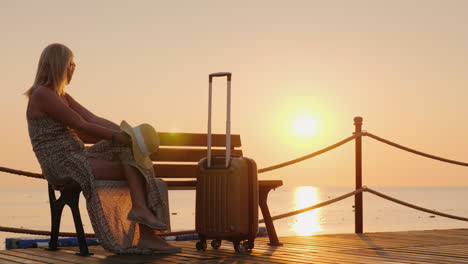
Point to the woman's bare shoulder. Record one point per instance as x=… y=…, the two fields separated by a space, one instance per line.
x=41 y=93
x=36 y=100
x=46 y=95
x=68 y=98
x=40 y=99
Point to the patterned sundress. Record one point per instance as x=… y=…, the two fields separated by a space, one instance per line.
x=62 y=154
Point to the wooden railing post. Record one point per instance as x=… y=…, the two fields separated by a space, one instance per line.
x=358 y=197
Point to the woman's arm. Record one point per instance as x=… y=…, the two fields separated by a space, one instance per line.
x=88 y=115
x=51 y=104
x=87 y=138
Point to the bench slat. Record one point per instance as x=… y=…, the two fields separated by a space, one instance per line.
x=190 y=185
x=196 y=139
x=182 y=139
x=175 y=170
x=187 y=155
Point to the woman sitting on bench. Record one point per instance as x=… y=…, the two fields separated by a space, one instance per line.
x=55 y=120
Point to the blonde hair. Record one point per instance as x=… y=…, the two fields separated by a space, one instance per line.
x=52 y=68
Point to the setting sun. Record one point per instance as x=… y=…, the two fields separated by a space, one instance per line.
x=304 y=125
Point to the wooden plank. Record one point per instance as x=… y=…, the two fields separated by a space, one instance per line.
x=104 y=256
x=226 y=253
x=384 y=255
x=26 y=254
x=331 y=256
x=270 y=183
x=191 y=184
x=175 y=170
x=11 y=258
x=6 y=259
x=182 y=257
x=182 y=139
x=187 y=155
x=353 y=241
x=458 y=251
x=181 y=185
x=196 y=139
x=415 y=247
x=66 y=256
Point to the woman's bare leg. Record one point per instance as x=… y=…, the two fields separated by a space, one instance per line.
x=115 y=170
x=136 y=183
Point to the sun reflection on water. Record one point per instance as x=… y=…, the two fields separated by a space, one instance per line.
x=307 y=223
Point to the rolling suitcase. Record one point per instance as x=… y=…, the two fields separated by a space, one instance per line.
x=226 y=192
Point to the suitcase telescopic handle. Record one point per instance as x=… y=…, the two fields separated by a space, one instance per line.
x=220 y=74
x=228 y=117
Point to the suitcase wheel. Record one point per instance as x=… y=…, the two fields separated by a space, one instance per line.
x=201 y=246
x=216 y=243
x=248 y=244
x=238 y=247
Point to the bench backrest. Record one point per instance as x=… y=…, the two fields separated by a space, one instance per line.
x=179 y=153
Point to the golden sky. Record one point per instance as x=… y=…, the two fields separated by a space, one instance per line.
x=401 y=65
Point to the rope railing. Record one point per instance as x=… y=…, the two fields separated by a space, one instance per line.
x=300 y=159
x=415 y=206
x=413 y=151
x=71 y=234
x=366 y=189
x=40 y=232
x=270 y=168
x=357 y=135
x=22 y=173
x=187 y=232
x=287 y=163
x=277 y=217
x=334 y=200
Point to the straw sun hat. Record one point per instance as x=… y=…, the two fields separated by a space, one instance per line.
x=145 y=140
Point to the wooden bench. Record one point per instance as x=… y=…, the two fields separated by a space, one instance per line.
x=176 y=163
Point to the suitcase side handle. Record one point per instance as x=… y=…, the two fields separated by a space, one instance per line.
x=228 y=117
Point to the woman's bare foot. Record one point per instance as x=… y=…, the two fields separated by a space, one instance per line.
x=145 y=216
x=159 y=245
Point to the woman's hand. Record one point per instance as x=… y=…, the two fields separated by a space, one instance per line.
x=123 y=138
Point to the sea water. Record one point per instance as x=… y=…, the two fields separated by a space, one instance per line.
x=30 y=209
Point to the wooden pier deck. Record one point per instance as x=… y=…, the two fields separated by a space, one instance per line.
x=434 y=246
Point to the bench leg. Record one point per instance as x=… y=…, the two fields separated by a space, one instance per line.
x=56 y=208
x=72 y=198
x=263 y=195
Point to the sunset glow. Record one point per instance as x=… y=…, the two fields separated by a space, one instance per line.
x=301 y=73
x=307 y=223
